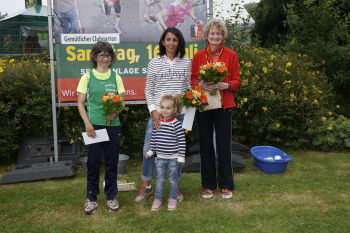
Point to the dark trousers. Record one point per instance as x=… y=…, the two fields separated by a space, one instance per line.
x=221 y=120
x=110 y=152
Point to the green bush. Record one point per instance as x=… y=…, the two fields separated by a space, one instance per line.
x=281 y=97
x=25 y=102
x=334 y=133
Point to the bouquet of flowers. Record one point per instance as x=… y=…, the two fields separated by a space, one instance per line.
x=112 y=105
x=195 y=98
x=212 y=73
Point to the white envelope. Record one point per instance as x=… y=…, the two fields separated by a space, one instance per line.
x=101 y=136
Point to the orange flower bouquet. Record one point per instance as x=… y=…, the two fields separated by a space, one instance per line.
x=112 y=105
x=195 y=98
x=212 y=73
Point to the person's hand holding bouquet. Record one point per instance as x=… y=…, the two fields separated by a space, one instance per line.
x=112 y=105
x=211 y=76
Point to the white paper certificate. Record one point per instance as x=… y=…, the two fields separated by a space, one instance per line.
x=101 y=136
x=188 y=118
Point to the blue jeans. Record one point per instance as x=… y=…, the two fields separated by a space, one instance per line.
x=148 y=163
x=162 y=166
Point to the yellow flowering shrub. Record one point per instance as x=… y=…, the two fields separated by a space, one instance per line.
x=282 y=96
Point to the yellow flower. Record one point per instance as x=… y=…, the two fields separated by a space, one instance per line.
x=324 y=119
x=338 y=106
x=248 y=64
x=71 y=141
x=247 y=72
x=330 y=113
x=12 y=60
x=271 y=64
x=197 y=93
x=330 y=127
x=246 y=113
x=286 y=71
x=285 y=82
x=315 y=101
x=202 y=71
x=244 y=100
x=271 y=92
x=277 y=125
x=193 y=102
x=289 y=64
x=244 y=82
x=1 y=70
x=264 y=109
x=264 y=69
x=272 y=57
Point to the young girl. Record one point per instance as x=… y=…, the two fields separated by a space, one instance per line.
x=168 y=142
x=90 y=89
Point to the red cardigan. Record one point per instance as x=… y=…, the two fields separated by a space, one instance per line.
x=229 y=57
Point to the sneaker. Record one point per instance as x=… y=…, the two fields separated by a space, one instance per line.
x=172 y=204
x=180 y=196
x=143 y=194
x=156 y=205
x=113 y=205
x=207 y=193
x=90 y=207
x=226 y=193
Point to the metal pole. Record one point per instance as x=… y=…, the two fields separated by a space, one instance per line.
x=53 y=87
x=211 y=9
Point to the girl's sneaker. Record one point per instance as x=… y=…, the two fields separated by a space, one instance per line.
x=90 y=207
x=207 y=193
x=113 y=205
x=226 y=193
x=156 y=205
x=172 y=204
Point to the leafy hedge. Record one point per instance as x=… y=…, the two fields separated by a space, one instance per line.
x=283 y=99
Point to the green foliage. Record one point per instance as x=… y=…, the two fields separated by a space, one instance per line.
x=317 y=28
x=281 y=97
x=133 y=130
x=321 y=29
x=2 y=16
x=333 y=133
x=269 y=16
x=25 y=101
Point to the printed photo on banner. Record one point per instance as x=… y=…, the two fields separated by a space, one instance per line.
x=118 y=21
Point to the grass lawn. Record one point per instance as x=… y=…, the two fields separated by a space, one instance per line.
x=313 y=196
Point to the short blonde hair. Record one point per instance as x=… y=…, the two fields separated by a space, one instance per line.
x=215 y=23
x=176 y=100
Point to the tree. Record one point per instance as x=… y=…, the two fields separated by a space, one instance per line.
x=269 y=16
x=2 y=16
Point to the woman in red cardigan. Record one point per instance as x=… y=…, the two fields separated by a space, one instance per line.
x=219 y=118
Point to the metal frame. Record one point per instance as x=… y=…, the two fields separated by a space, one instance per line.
x=53 y=81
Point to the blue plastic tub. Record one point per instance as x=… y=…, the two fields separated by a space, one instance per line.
x=270 y=159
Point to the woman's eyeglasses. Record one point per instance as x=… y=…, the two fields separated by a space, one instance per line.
x=103 y=56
